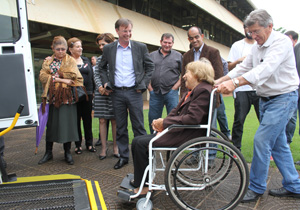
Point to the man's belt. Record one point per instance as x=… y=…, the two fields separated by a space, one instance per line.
x=124 y=88
x=268 y=98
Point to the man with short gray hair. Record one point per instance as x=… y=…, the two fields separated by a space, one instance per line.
x=270 y=68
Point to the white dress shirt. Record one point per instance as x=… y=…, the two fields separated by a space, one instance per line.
x=270 y=68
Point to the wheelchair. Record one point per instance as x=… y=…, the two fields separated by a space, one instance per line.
x=217 y=181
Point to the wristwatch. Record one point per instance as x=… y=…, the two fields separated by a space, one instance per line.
x=236 y=82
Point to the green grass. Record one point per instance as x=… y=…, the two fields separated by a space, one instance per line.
x=250 y=127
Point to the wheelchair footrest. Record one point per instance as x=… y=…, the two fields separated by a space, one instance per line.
x=124 y=195
x=126 y=182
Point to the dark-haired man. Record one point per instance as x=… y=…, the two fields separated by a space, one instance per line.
x=165 y=79
x=291 y=126
x=130 y=68
x=244 y=96
x=198 y=50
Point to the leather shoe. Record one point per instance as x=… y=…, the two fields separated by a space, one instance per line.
x=131 y=182
x=98 y=143
x=68 y=158
x=120 y=163
x=281 y=192
x=48 y=156
x=250 y=196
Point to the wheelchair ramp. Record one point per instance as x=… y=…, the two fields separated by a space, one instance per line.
x=52 y=194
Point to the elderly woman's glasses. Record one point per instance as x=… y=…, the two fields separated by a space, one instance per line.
x=60 y=49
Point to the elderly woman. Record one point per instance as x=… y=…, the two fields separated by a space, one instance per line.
x=84 y=108
x=58 y=74
x=103 y=103
x=191 y=110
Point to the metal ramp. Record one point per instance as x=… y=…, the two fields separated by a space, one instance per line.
x=51 y=192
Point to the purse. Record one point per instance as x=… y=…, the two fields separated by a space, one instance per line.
x=79 y=93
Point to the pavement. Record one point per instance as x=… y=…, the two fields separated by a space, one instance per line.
x=20 y=158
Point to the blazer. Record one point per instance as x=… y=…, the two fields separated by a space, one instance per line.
x=142 y=64
x=212 y=54
x=192 y=111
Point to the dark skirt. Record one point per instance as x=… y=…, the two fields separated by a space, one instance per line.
x=62 y=124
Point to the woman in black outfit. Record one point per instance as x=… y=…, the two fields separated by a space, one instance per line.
x=84 y=108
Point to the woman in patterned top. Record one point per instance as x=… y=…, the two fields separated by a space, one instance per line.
x=58 y=74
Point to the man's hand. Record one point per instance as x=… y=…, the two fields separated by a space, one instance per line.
x=226 y=87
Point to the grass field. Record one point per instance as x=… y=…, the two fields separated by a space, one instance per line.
x=250 y=128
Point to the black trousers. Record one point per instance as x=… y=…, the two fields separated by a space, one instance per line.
x=242 y=106
x=140 y=154
x=84 y=112
x=128 y=102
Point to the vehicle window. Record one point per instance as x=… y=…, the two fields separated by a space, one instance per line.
x=9 y=21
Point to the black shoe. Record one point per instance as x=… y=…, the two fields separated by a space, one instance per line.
x=250 y=196
x=131 y=182
x=98 y=143
x=120 y=163
x=48 y=156
x=298 y=162
x=281 y=192
x=68 y=158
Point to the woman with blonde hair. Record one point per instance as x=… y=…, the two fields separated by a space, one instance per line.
x=191 y=110
x=58 y=74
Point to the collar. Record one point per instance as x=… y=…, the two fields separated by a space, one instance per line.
x=269 y=41
x=129 y=45
x=200 y=49
x=161 y=53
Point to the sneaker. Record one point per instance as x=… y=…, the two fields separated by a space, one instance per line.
x=271 y=158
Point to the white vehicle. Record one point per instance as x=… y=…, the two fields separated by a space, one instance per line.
x=16 y=69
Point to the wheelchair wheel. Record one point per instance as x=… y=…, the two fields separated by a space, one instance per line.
x=218 y=134
x=203 y=185
x=141 y=202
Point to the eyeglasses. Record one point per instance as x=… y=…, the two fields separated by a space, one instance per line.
x=60 y=49
x=254 y=32
x=195 y=37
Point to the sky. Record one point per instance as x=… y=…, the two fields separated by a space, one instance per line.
x=285 y=13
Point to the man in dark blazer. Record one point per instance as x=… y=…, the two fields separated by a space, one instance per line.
x=126 y=69
x=198 y=50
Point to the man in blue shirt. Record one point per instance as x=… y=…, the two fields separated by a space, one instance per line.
x=126 y=69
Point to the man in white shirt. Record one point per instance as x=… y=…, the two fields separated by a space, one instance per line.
x=244 y=96
x=270 y=68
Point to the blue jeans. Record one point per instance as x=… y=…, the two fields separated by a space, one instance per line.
x=270 y=139
x=222 y=118
x=157 y=102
